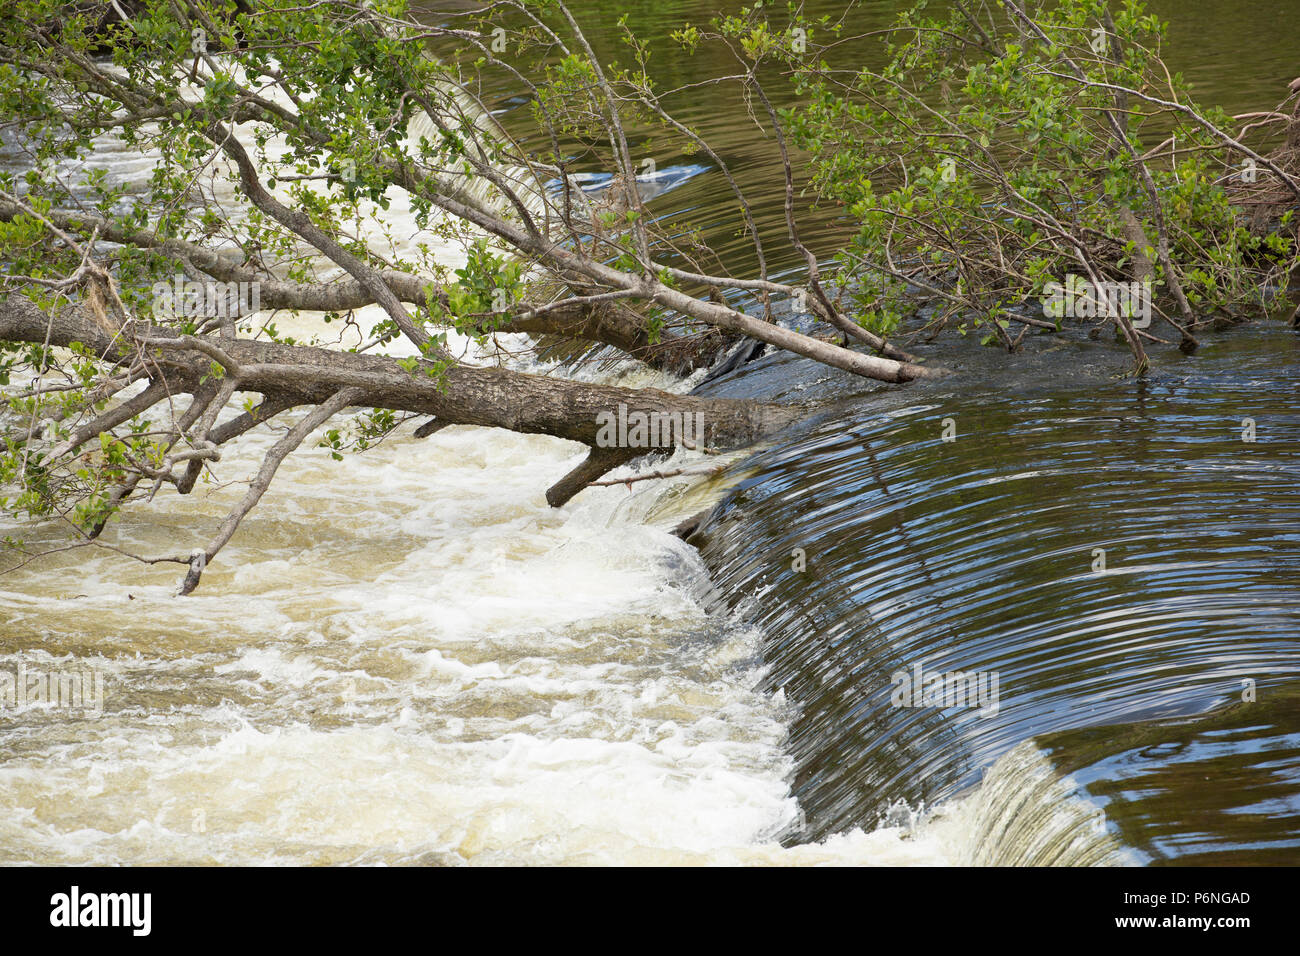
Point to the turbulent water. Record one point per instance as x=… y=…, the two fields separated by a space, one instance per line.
x=407 y=657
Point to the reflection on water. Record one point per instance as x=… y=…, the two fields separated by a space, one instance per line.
x=1220 y=790
x=983 y=554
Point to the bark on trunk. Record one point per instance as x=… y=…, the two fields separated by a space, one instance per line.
x=305 y=375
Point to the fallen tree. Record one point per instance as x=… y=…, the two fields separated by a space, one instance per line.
x=281 y=134
x=277 y=130
x=289 y=376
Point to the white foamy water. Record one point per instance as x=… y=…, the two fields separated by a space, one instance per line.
x=405 y=657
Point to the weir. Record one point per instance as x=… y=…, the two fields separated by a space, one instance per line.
x=976 y=555
x=416 y=661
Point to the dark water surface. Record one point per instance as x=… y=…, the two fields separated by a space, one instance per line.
x=979 y=554
x=1237 y=54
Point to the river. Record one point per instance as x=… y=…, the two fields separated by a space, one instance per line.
x=409 y=658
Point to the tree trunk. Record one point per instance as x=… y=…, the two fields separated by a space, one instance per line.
x=464 y=395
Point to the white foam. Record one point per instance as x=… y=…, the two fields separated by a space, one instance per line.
x=404 y=657
x=407 y=656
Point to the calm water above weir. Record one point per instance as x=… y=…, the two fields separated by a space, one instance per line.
x=409 y=658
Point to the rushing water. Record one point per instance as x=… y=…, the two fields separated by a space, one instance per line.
x=407 y=657
x=984 y=554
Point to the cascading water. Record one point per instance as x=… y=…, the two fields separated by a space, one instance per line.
x=1109 y=551
x=405 y=658
x=409 y=658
